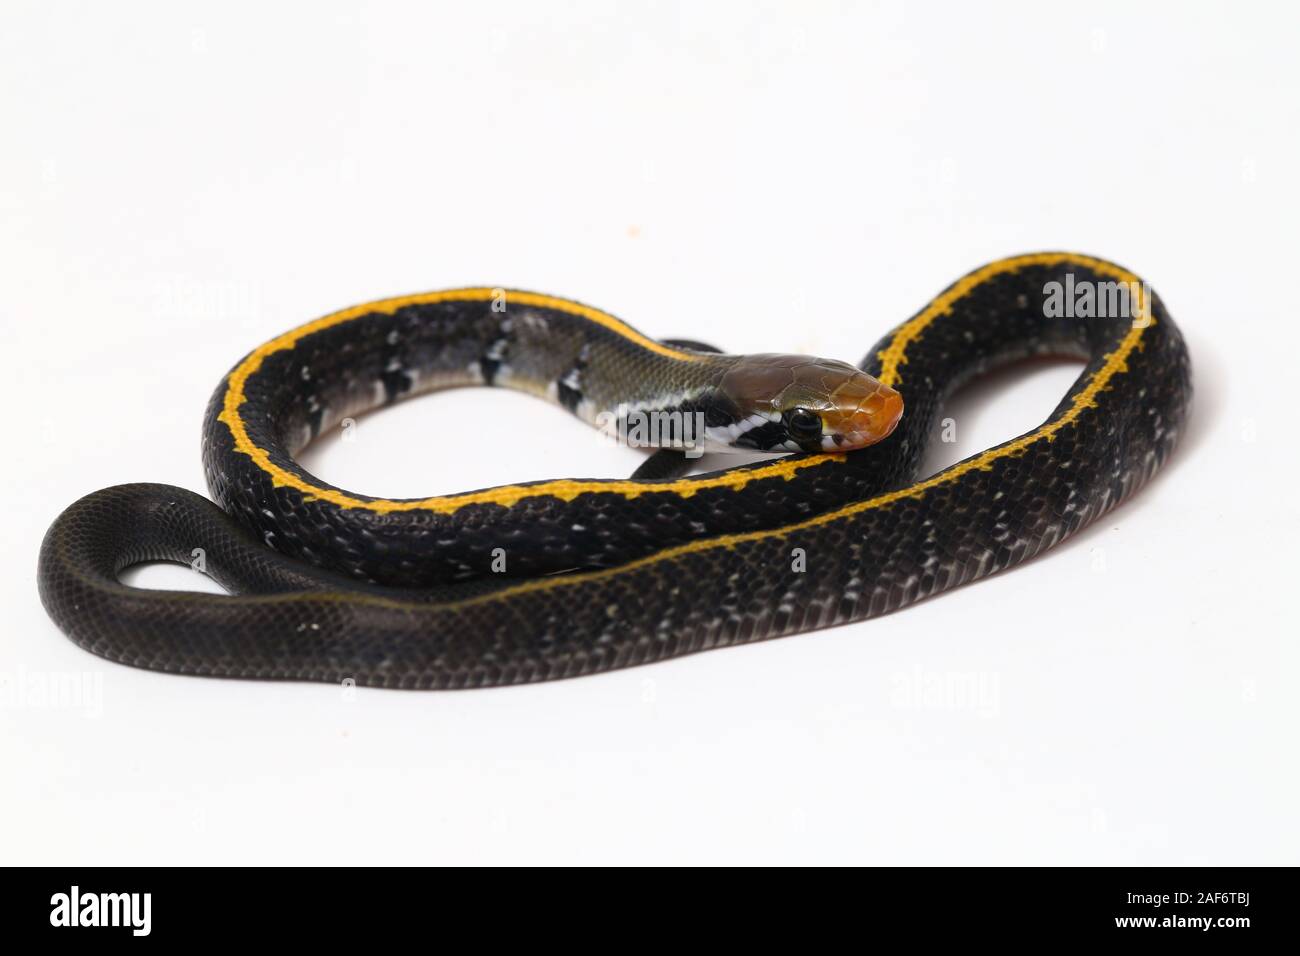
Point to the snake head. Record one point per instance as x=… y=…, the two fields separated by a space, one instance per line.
x=803 y=403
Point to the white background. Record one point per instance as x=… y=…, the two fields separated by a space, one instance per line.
x=181 y=185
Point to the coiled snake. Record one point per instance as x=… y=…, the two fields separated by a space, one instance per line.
x=598 y=574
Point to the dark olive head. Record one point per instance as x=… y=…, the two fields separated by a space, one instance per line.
x=802 y=403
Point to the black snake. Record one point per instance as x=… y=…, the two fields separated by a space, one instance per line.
x=560 y=578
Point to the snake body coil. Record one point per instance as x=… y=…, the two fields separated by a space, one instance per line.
x=401 y=593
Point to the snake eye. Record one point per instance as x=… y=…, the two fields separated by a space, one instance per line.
x=803 y=424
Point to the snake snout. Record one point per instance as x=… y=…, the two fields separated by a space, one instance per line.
x=866 y=411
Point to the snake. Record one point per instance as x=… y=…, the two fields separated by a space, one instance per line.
x=559 y=578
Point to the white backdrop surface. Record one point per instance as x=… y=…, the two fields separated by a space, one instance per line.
x=180 y=183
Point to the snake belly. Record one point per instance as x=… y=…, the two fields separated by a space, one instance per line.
x=330 y=585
